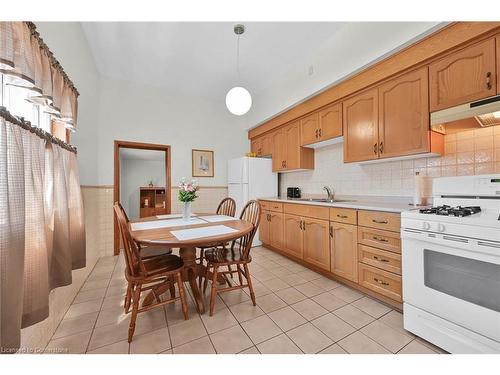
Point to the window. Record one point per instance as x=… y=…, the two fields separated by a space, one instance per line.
x=15 y=100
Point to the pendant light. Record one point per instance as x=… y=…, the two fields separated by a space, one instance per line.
x=238 y=99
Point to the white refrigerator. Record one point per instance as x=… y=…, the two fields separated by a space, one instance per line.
x=251 y=178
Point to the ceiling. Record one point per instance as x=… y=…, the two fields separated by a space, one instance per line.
x=138 y=154
x=200 y=57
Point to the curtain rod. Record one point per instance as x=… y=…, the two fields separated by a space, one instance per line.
x=33 y=129
x=54 y=61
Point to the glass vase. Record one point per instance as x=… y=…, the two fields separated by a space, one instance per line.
x=186 y=211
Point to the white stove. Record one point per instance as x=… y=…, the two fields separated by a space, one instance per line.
x=451 y=265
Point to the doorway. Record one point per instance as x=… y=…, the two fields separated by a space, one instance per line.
x=152 y=193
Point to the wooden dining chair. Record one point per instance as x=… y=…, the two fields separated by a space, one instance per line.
x=226 y=207
x=146 y=251
x=237 y=254
x=148 y=275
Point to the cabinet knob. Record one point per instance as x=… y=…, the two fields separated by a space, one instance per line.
x=375 y=149
x=381 y=147
x=316 y=133
x=331 y=231
x=380 y=259
x=320 y=132
x=380 y=221
x=488 y=80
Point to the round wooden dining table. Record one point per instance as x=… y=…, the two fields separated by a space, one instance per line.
x=187 y=247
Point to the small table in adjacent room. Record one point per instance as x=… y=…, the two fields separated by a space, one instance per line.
x=200 y=231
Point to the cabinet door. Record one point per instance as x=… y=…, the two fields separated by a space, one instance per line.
x=330 y=122
x=464 y=76
x=316 y=243
x=256 y=146
x=264 y=227
x=292 y=137
x=309 y=128
x=293 y=235
x=404 y=115
x=360 y=115
x=279 y=150
x=276 y=230
x=267 y=145
x=498 y=63
x=344 y=250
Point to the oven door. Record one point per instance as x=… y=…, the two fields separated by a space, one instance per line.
x=455 y=278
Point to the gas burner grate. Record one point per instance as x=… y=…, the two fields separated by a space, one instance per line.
x=446 y=210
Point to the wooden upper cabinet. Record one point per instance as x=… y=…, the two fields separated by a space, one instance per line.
x=344 y=250
x=293 y=149
x=309 y=127
x=287 y=151
x=293 y=235
x=404 y=115
x=276 y=229
x=321 y=125
x=263 y=145
x=256 y=146
x=330 y=122
x=279 y=150
x=463 y=76
x=360 y=122
x=498 y=63
x=316 y=242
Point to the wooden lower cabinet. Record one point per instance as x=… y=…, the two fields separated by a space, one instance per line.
x=276 y=229
x=335 y=241
x=316 y=242
x=380 y=281
x=344 y=250
x=293 y=235
x=264 y=227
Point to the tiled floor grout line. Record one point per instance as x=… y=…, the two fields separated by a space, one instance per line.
x=72 y=302
x=100 y=309
x=309 y=277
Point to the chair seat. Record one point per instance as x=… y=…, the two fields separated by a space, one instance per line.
x=162 y=264
x=224 y=256
x=153 y=251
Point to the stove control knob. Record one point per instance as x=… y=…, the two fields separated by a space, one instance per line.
x=441 y=228
x=426 y=225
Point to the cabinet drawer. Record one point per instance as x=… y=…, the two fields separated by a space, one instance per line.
x=381 y=239
x=276 y=207
x=307 y=210
x=344 y=215
x=383 y=282
x=380 y=220
x=265 y=205
x=380 y=258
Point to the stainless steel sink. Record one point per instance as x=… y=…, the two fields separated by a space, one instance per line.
x=321 y=200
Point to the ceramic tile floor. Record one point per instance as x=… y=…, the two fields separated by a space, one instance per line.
x=298 y=311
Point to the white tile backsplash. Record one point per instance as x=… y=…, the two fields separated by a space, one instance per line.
x=396 y=178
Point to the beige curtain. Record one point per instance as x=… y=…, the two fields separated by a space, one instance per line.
x=27 y=62
x=41 y=226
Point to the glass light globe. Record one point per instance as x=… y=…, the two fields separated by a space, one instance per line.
x=238 y=101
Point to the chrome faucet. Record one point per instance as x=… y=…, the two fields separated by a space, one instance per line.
x=330 y=192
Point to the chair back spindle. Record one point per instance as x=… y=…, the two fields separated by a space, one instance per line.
x=133 y=260
x=227 y=207
x=250 y=213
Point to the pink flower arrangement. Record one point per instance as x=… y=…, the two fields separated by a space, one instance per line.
x=187 y=190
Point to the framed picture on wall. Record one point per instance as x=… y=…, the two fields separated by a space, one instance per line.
x=203 y=163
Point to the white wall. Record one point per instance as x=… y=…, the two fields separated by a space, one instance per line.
x=135 y=173
x=68 y=43
x=133 y=112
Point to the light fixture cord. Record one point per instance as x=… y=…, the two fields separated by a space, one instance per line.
x=238 y=58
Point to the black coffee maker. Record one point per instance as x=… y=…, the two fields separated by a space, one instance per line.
x=293 y=192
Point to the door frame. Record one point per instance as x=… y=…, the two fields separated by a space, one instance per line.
x=116 y=184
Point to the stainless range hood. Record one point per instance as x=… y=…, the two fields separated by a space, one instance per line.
x=485 y=112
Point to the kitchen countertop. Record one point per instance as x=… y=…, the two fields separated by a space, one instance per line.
x=361 y=203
